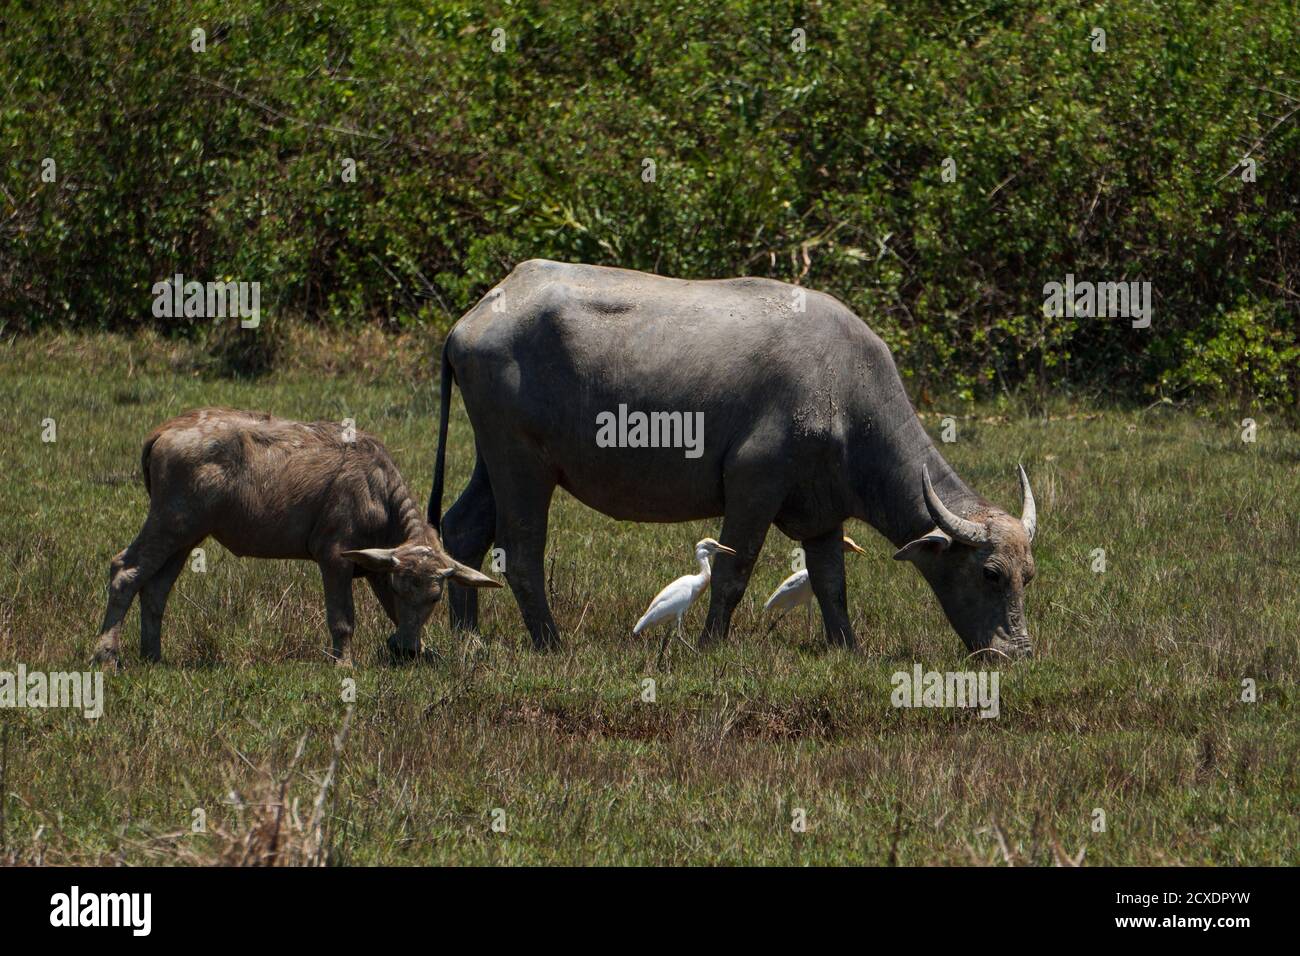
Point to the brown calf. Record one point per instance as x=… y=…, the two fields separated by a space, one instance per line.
x=266 y=487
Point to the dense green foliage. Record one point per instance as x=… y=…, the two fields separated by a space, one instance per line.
x=821 y=166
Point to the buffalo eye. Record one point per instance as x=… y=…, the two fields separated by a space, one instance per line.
x=991 y=574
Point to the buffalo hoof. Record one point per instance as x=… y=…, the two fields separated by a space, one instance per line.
x=999 y=649
x=403 y=654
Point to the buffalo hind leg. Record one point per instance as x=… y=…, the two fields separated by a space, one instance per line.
x=467 y=532
x=523 y=502
x=153 y=603
x=129 y=572
x=825 y=557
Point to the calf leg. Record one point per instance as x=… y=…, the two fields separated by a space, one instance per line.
x=467 y=532
x=128 y=573
x=339 y=613
x=153 y=602
x=825 y=555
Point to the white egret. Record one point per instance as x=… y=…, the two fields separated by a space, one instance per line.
x=797 y=590
x=674 y=600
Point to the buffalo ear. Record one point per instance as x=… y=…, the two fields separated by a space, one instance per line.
x=374 y=559
x=468 y=577
x=932 y=542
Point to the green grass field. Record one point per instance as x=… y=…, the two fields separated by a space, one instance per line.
x=1132 y=706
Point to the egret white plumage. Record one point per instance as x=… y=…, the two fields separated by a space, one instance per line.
x=674 y=600
x=797 y=589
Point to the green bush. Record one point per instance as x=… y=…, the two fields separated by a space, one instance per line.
x=1243 y=356
x=821 y=166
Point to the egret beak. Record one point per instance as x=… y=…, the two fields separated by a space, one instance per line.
x=854 y=547
x=724 y=549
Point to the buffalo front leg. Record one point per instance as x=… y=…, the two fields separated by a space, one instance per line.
x=744 y=532
x=825 y=557
x=467 y=531
x=340 y=615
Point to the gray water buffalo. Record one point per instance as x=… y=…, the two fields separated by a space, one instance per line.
x=266 y=487
x=657 y=399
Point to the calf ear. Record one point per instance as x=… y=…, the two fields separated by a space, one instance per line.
x=374 y=559
x=468 y=577
x=933 y=542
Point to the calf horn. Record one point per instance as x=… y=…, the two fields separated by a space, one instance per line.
x=1028 y=512
x=959 y=529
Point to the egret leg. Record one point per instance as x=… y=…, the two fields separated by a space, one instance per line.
x=780 y=616
x=663 y=645
x=681 y=636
